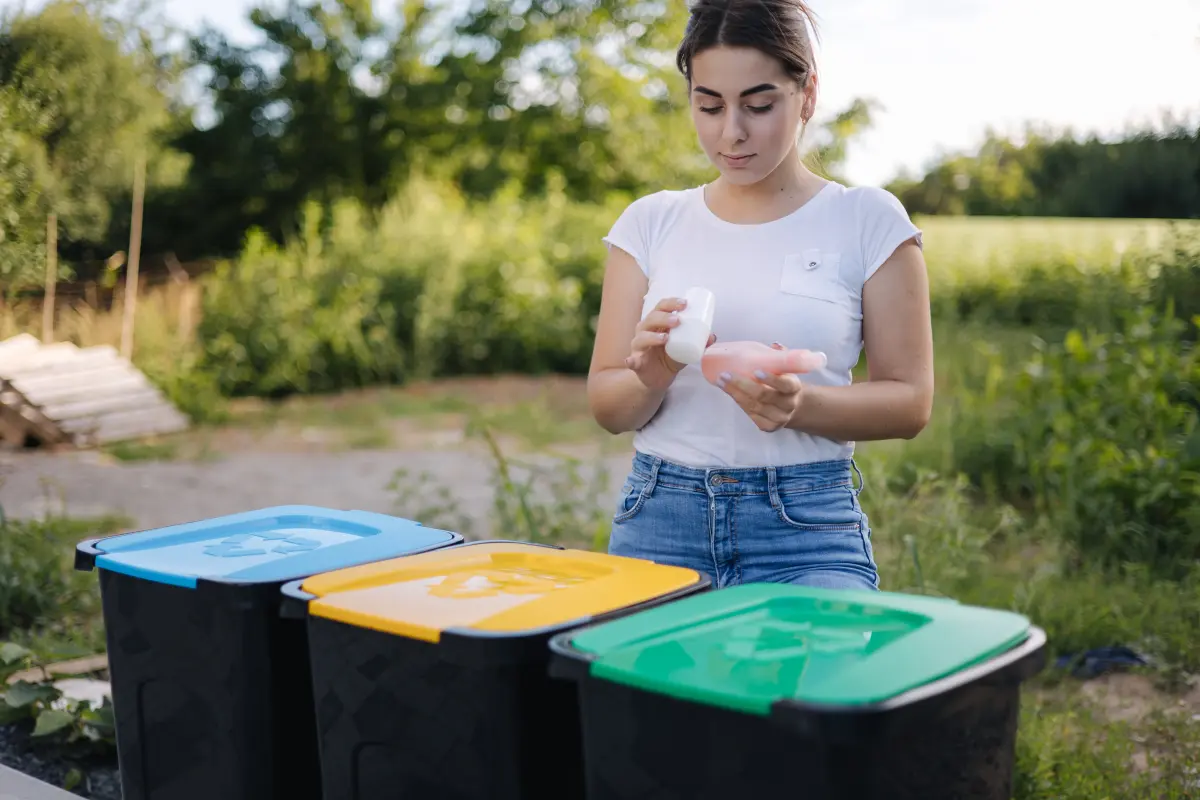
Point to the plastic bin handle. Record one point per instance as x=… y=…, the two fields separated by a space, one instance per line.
x=933 y=700
x=567 y=663
x=294 y=600
x=86 y=554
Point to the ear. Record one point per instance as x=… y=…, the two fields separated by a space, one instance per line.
x=810 y=98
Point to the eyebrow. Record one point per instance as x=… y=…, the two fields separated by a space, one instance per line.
x=762 y=87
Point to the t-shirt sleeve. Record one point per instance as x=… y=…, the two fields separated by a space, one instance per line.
x=885 y=226
x=631 y=233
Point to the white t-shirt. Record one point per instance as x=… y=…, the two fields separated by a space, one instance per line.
x=797 y=280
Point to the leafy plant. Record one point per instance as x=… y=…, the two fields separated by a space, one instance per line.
x=78 y=725
x=1101 y=433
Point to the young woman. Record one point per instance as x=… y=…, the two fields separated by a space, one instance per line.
x=754 y=480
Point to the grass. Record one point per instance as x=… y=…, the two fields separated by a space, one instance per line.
x=975 y=248
x=44 y=603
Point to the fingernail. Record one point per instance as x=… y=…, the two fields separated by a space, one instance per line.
x=758 y=373
x=720 y=383
x=673 y=318
x=662 y=337
x=725 y=376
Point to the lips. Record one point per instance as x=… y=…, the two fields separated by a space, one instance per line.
x=736 y=161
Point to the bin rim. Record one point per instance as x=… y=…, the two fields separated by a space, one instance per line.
x=850 y=724
x=89 y=550
x=1013 y=666
x=569 y=626
x=295 y=599
x=474 y=646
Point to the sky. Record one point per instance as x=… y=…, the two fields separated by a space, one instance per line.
x=945 y=71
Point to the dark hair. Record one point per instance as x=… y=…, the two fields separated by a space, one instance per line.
x=775 y=27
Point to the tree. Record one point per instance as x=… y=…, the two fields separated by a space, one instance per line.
x=79 y=109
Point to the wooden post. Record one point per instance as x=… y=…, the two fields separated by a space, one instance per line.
x=51 y=278
x=135 y=253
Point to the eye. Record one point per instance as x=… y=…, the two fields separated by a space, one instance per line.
x=761 y=109
x=710 y=109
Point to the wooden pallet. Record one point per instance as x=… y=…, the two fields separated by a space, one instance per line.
x=57 y=393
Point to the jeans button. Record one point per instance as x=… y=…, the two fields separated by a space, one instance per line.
x=715 y=480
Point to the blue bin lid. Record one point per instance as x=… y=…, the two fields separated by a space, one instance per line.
x=269 y=545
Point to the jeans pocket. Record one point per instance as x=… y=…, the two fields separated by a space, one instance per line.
x=830 y=508
x=632 y=498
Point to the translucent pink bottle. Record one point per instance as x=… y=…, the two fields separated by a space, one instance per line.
x=742 y=359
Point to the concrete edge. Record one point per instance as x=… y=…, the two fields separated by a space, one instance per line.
x=19 y=786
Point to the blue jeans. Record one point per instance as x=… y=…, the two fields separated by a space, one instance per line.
x=794 y=524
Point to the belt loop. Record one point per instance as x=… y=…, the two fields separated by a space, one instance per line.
x=861 y=481
x=773 y=486
x=655 y=463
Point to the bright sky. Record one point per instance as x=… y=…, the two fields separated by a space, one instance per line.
x=946 y=70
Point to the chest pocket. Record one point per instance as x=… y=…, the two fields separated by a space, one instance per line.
x=815 y=274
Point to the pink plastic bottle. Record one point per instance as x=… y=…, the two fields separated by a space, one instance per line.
x=742 y=359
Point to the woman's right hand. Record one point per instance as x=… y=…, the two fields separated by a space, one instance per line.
x=648 y=355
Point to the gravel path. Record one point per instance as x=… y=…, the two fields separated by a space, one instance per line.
x=158 y=493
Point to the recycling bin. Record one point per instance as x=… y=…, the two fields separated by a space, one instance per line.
x=210 y=685
x=430 y=673
x=772 y=690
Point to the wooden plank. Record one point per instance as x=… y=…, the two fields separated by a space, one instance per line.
x=57 y=363
x=64 y=388
x=16 y=347
x=64 y=669
x=100 y=406
x=24 y=415
x=13 y=426
x=152 y=421
x=86 y=396
x=163 y=425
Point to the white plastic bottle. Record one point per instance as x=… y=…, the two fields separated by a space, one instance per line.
x=686 y=341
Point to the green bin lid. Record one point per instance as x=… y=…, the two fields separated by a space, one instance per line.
x=747 y=647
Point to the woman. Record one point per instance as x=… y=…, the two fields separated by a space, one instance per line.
x=754 y=480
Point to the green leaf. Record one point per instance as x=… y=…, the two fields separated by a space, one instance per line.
x=52 y=721
x=72 y=779
x=9 y=715
x=11 y=653
x=23 y=693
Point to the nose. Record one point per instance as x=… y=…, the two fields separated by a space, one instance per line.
x=735 y=128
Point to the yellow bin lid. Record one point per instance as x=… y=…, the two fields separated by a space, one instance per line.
x=495 y=587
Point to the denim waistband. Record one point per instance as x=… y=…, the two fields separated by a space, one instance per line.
x=748 y=480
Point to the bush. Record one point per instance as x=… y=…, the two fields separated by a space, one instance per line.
x=1099 y=433
x=38 y=585
x=429 y=288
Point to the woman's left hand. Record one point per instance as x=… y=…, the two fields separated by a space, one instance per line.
x=772 y=401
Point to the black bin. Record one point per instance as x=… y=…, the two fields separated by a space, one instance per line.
x=430 y=671
x=212 y=689
x=777 y=691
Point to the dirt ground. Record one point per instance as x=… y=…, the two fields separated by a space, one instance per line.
x=157 y=493
x=339 y=452
x=243 y=471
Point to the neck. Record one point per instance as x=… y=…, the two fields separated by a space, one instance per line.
x=789 y=181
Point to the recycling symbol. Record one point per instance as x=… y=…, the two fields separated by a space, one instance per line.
x=235 y=547
x=489 y=583
x=782 y=640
